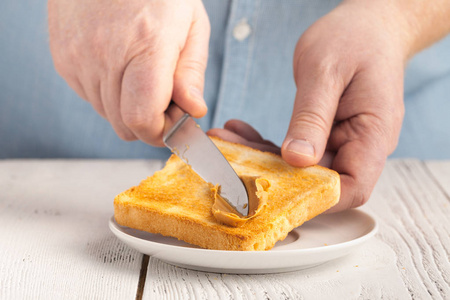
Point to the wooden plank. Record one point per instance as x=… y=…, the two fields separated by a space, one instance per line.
x=415 y=224
x=407 y=259
x=366 y=270
x=54 y=237
x=440 y=172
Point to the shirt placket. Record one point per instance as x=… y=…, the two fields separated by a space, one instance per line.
x=237 y=61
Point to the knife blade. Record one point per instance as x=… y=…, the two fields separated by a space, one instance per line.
x=184 y=137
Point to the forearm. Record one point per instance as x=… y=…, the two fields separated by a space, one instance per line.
x=420 y=23
x=429 y=21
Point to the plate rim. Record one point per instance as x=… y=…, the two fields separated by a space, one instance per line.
x=115 y=228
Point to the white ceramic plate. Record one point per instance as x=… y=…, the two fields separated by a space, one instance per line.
x=322 y=239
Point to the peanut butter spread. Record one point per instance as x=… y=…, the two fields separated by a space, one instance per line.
x=257 y=199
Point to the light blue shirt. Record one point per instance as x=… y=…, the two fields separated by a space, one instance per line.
x=250 y=65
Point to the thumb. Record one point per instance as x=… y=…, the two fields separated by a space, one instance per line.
x=314 y=111
x=189 y=75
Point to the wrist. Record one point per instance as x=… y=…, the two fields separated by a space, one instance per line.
x=416 y=24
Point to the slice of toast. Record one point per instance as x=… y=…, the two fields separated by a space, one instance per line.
x=177 y=202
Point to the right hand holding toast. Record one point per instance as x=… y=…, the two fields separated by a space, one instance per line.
x=130 y=58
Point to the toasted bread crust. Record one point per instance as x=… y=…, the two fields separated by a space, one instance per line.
x=177 y=202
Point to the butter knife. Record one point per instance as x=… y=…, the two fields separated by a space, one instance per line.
x=184 y=137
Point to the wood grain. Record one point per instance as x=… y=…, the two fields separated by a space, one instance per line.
x=440 y=173
x=414 y=214
x=407 y=259
x=55 y=243
x=54 y=236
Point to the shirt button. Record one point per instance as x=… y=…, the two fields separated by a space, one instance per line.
x=242 y=30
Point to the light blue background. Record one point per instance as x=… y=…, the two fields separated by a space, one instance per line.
x=40 y=116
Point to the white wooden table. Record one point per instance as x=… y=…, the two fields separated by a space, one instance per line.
x=55 y=242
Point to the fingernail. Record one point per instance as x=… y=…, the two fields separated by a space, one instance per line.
x=301 y=147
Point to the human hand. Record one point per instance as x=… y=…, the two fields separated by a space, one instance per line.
x=348 y=68
x=130 y=58
x=348 y=110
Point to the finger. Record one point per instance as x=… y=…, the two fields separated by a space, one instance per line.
x=110 y=95
x=236 y=138
x=243 y=129
x=247 y=132
x=227 y=135
x=370 y=108
x=359 y=167
x=319 y=88
x=369 y=121
x=146 y=93
x=327 y=159
x=91 y=87
x=75 y=84
x=86 y=88
x=189 y=75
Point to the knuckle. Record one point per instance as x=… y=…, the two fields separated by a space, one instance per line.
x=372 y=129
x=194 y=67
x=146 y=29
x=135 y=120
x=329 y=72
x=379 y=124
x=142 y=125
x=313 y=119
x=325 y=68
